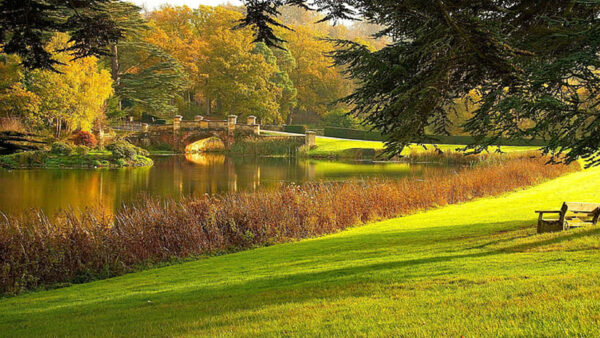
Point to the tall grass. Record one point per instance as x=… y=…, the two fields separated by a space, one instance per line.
x=36 y=250
x=12 y=124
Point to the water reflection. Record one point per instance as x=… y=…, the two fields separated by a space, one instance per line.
x=175 y=176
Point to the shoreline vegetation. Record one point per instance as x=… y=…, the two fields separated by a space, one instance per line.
x=92 y=160
x=62 y=155
x=74 y=247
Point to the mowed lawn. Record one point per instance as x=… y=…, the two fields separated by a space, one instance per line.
x=331 y=147
x=474 y=269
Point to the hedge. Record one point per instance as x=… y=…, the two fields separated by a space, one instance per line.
x=295 y=129
x=440 y=139
x=354 y=134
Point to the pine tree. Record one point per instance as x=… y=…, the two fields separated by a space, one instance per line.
x=534 y=66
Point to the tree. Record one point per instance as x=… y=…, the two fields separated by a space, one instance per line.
x=146 y=77
x=238 y=80
x=26 y=27
x=283 y=62
x=319 y=84
x=150 y=79
x=15 y=100
x=75 y=97
x=173 y=30
x=533 y=64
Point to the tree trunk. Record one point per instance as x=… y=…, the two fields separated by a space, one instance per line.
x=114 y=69
x=290 y=117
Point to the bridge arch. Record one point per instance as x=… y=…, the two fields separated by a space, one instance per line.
x=203 y=141
x=211 y=143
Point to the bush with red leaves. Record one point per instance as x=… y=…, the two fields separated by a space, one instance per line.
x=85 y=138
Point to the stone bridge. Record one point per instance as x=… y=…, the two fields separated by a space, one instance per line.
x=194 y=136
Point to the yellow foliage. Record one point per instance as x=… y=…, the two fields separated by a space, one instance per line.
x=77 y=94
x=318 y=83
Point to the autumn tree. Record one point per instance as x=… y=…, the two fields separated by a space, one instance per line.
x=172 y=30
x=15 y=100
x=238 y=80
x=74 y=98
x=319 y=84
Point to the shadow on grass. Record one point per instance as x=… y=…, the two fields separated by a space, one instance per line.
x=195 y=300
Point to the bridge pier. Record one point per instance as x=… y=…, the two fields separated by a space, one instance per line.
x=177 y=122
x=310 y=139
x=231 y=122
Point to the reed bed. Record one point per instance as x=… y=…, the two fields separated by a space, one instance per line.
x=38 y=251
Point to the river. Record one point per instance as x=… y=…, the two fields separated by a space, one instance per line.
x=176 y=176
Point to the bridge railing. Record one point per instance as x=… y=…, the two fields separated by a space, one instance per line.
x=128 y=126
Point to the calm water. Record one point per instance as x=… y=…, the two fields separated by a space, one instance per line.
x=177 y=176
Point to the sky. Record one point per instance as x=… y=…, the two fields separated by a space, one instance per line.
x=152 y=4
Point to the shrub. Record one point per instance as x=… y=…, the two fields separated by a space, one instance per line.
x=354 y=134
x=295 y=129
x=61 y=148
x=341 y=119
x=82 y=150
x=85 y=138
x=36 y=250
x=125 y=150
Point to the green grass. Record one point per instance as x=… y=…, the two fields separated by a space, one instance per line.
x=327 y=147
x=474 y=269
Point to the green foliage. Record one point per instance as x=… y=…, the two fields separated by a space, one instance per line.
x=151 y=79
x=27 y=27
x=533 y=65
x=340 y=118
x=281 y=78
x=295 y=129
x=125 y=150
x=61 y=148
x=82 y=150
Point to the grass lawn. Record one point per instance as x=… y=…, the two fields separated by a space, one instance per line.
x=328 y=147
x=474 y=269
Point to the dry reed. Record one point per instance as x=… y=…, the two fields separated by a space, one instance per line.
x=36 y=250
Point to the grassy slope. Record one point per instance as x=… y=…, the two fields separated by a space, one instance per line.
x=472 y=269
x=327 y=147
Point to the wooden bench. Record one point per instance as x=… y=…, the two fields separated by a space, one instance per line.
x=570 y=215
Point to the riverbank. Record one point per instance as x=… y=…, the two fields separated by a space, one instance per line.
x=331 y=148
x=96 y=245
x=470 y=269
x=92 y=159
